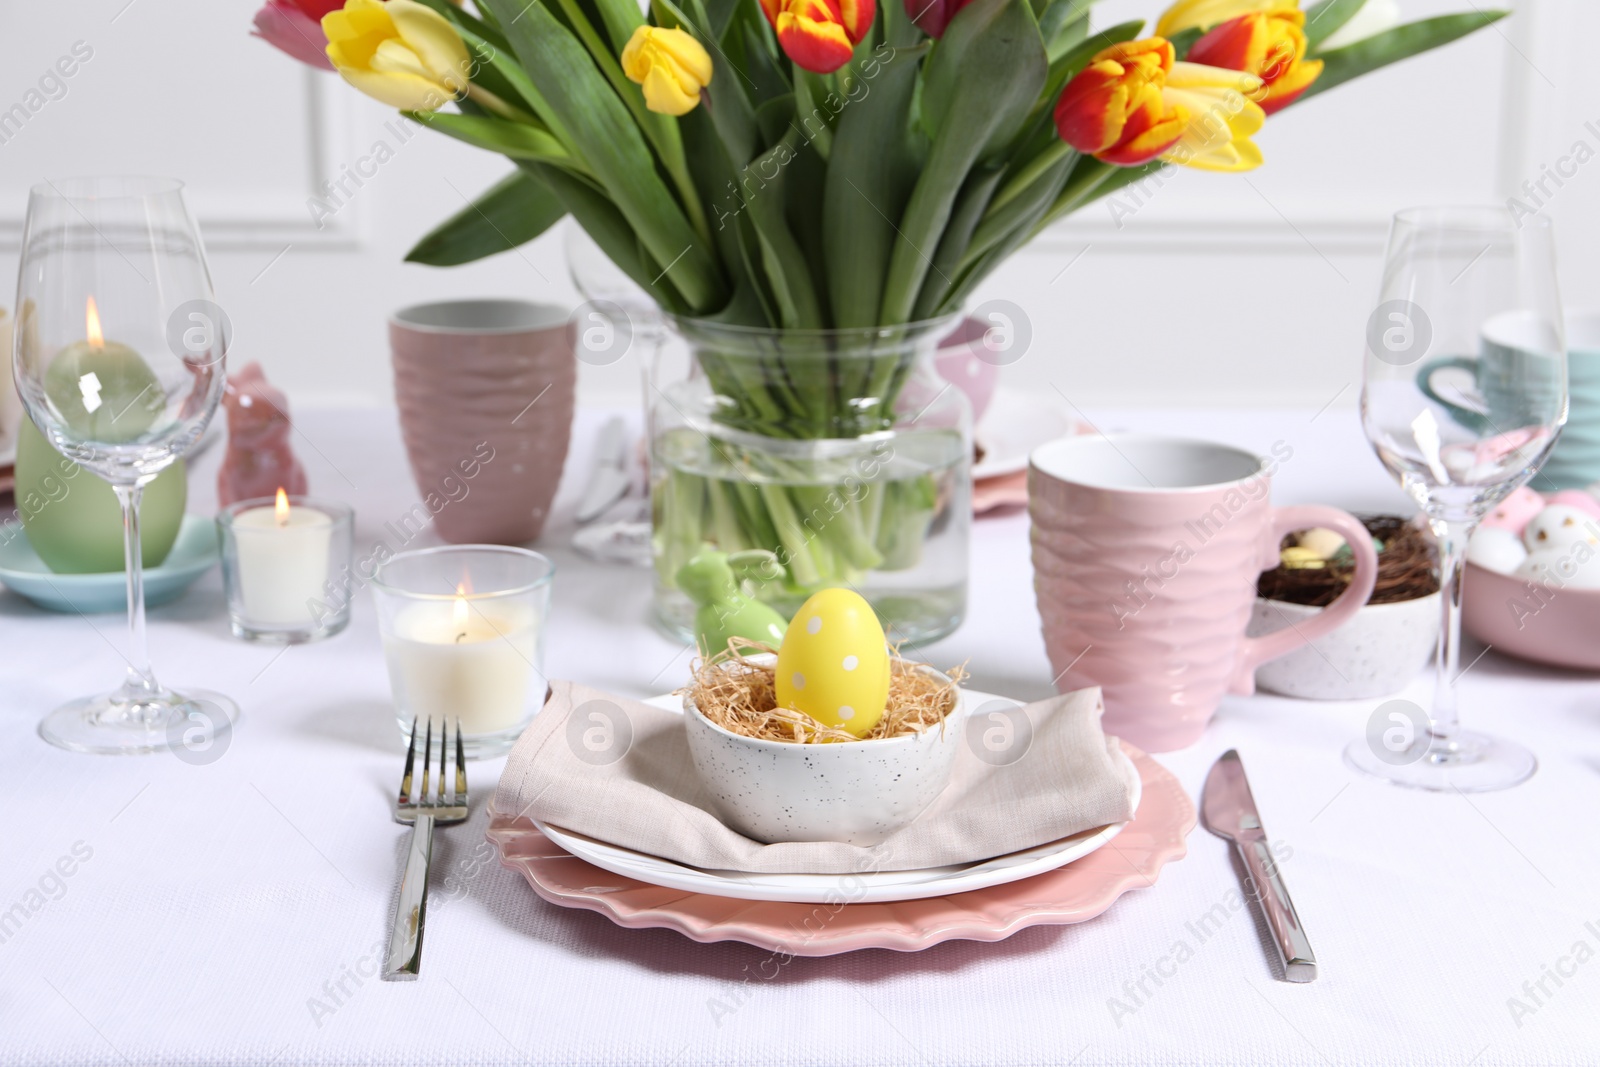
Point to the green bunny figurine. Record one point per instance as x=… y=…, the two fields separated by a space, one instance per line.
x=714 y=581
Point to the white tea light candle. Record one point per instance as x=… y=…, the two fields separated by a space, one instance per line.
x=277 y=559
x=283 y=560
x=463 y=637
x=469 y=660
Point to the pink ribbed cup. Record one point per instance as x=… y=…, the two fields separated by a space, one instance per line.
x=485 y=378
x=1145 y=556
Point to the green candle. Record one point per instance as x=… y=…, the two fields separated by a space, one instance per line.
x=105 y=391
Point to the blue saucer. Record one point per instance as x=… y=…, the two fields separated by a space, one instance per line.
x=22 y=571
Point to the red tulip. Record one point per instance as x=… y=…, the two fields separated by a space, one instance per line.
x=1269 y=44
x=934 y=15
x=295 y=27
x=820 y=35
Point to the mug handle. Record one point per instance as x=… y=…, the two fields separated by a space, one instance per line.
x=1258 y=650
x=1472 y=420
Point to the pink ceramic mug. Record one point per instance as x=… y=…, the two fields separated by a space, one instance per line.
x=1146 y=551
x=486 y=393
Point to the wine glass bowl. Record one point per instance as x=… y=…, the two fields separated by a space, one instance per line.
x=1464 y=394
x=119 y=359
x=119 y=345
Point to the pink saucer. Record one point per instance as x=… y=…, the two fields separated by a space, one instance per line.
x=1079 y=891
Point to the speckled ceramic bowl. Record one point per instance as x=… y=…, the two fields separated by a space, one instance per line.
x=858 y=792
x=1374 y=654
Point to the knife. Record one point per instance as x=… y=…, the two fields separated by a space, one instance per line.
x=609 y=481
x=1230 y=812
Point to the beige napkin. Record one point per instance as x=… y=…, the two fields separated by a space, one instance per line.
x=1071 y=778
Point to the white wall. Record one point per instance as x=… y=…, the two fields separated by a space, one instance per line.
x=1219 y=289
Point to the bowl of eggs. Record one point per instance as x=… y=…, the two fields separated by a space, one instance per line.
x=1532 y=583
x=831 y=738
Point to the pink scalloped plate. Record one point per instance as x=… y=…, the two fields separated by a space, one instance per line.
x=1071 y=894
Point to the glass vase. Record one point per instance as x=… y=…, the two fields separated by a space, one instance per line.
x=816 y=458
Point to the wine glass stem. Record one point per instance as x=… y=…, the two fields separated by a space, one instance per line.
x=141 y=686
x=1452 y=536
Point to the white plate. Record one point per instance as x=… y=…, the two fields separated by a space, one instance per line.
x=1016 y=423
x=865 y=888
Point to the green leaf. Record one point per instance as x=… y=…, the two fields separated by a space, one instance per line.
x=1392 y=46
x=1063 y=24
x=714 y=174
x=1004 y=231
x=975 y=196
x=621 y=18
x=1184 y=40
x=978 y=87
x=512 y=212
x=612 y=231
x=762 y=74
x=1326 y=18
x=991 y=55
x=720 y=14
x=782 y=259
x=867 y=185
x=606 y=137
x=515 y=139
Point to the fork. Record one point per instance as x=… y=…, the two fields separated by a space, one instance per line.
x=423 y=813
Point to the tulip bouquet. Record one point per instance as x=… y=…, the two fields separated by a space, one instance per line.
x=797 y=166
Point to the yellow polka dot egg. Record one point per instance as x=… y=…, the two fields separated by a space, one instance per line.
x=833 y=663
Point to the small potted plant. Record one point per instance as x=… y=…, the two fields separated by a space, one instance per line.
x=1389 y=641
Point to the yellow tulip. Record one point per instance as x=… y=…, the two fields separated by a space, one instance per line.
x=399 y=52
x=1204 y=14
x=1222 y=117
x=670 y=65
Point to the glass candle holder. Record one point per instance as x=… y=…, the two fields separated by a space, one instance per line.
x=281 y=559
x=463 y=636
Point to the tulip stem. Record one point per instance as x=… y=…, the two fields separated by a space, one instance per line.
x=1029 y=174
x=490 y=102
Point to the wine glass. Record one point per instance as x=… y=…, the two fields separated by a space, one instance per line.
x=1464 y=394
x=119 y=356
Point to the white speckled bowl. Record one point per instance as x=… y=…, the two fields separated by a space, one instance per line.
x=858 y=792
x=1374 y=654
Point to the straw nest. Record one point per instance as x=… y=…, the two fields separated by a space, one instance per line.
x=738 y=695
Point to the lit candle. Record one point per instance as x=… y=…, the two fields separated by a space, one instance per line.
x=105 y=391
x=468 y=657
x=282 y=562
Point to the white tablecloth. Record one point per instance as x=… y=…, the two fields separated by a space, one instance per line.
x=233 y=912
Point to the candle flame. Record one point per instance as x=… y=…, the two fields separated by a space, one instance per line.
x=280 y=510
x=459 y=615
x=91 y=325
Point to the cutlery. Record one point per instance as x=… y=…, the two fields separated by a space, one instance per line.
x=609 y=481
x=1230 y=812
x=423 y=813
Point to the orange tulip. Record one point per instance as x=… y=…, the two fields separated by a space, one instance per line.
x=820 y=35
x=1113 y=109
x=1269 y=43
x=1133 y=103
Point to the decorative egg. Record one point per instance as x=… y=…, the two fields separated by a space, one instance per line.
x=1298 y=557
x=1324 y=542
x=1514 y=511
x=1578 y=498
x=833 y=663
x=1573 y=567
x=1496 y=549
x=1560 y=526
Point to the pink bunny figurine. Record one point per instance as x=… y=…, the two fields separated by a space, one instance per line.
x=259 y=461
